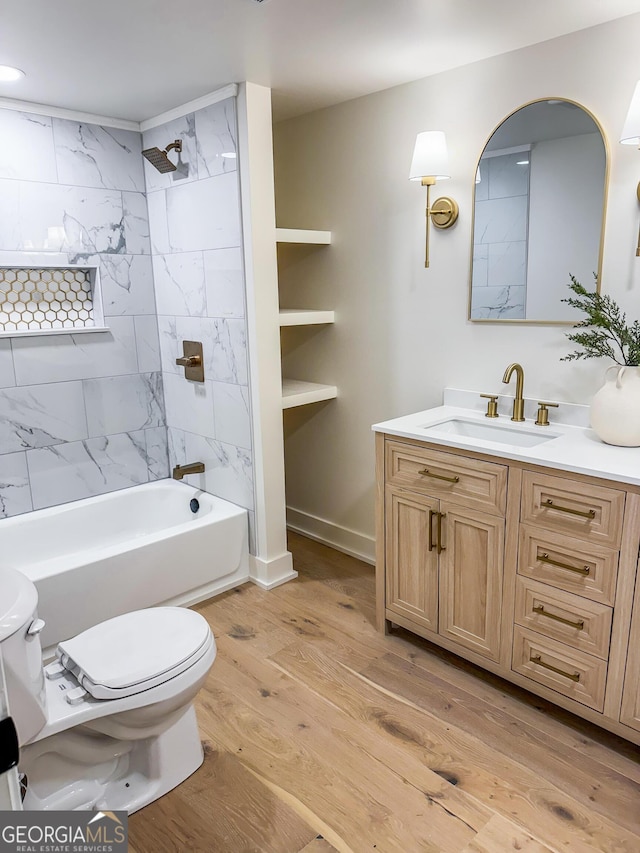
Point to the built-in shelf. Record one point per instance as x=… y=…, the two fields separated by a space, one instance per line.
x=298 y=393
x=302 y=317
x=298 y=235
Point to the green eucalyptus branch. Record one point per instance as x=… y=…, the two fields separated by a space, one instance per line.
x=608 y=335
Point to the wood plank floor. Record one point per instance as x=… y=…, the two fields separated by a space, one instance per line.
x=322 y=735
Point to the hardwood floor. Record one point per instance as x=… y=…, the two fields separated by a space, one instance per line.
x=322 y=735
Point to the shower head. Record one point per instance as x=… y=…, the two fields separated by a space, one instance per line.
x=159 y=158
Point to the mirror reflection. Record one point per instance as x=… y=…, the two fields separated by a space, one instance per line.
x=538 y=213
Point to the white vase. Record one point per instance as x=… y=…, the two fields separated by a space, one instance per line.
x=615 y=409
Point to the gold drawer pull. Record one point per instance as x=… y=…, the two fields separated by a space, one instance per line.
x=574 y=676
x=590 y=513
x=581 y=570
x=427 y=473
x=539 y=609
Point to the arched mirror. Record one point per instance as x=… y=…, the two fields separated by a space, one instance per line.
x=539 y=207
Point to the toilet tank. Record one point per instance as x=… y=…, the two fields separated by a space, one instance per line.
x=22 y=654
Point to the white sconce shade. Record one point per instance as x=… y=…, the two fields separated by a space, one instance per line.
x=478 y=176
x=631 y=129
x=430 y=158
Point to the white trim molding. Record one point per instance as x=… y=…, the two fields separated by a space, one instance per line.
x=229 y=91
x=72 y=115
x=268 y=574
x=341 y=538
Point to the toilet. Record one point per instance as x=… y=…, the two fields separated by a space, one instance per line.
x=110 y=723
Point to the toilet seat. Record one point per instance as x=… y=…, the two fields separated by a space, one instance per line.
x=136 y=651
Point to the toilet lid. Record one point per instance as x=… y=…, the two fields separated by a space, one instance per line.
x=125 y=654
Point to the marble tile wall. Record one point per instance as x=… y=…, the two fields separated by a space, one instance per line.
x=194 y=223
x=79 y=414
x=500 y=238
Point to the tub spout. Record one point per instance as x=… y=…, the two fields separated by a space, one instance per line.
x=181 y=471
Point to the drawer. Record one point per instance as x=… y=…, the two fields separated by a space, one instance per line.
x=568 y=671
x=464 y=481
x=569 y=564
x=578 y=509
x=562 y=616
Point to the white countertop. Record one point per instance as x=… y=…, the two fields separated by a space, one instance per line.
x=574 y=448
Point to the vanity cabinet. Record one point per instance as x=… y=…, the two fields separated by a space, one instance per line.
x=444 y=559
x=525 y=571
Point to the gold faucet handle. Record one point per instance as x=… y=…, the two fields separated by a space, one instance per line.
x=543 y=413
x=189 y=361
x=492 y=405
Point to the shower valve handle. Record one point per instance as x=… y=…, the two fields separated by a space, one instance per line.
x=189 y=361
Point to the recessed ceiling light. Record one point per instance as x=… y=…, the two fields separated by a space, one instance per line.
x=8 y=74
x=229 y=155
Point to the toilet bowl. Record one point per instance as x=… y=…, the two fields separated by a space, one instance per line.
x=110 y=723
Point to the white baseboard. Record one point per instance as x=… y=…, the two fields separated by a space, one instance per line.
x=341 y=538
x=268 y=574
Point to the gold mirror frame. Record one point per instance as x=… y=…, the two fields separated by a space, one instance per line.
x=607 y=155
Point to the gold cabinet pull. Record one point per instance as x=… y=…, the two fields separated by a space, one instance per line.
x=589 y=513
x=539 y=609
x=427 y=473
x=573 y=676
x=432 y=513
x=441 y=547
x=580 y=570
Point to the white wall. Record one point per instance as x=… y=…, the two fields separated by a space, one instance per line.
x=402 y=332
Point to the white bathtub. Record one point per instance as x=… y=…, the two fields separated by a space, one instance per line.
x=103 y=556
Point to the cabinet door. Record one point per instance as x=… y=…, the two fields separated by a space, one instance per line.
x=471 y=569
x=411 y=559
x=630 y=714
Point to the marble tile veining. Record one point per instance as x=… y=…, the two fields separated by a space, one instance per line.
x=89 y=155
x=124 y=403
x=224 y=346
x=216 y=138
x=15 y=493
x=157 y=452
x=228 y=469
x=189 y=405
x=147 y=343
x=493 y=303
x=127 y=284
x=135 y=223
x=180 y=284
x=7 y=376
x=41 y=415
x=81 y=469
x=93 y=354
x=48 y=217
x=27 y=151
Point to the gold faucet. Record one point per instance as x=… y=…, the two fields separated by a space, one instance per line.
x=181 y=471
x=518 y=403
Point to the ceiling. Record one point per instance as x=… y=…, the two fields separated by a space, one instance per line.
x=134 y=59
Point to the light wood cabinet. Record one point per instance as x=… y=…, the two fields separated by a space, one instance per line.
x=527 y=572
x=444 y=561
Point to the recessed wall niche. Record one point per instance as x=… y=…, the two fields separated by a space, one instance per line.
x=49 y=300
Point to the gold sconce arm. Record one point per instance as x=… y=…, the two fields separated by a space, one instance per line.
x=443 y=213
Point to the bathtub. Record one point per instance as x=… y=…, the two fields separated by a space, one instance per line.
x=158 y=543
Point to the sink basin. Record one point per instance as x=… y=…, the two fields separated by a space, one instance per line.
x=493 y=433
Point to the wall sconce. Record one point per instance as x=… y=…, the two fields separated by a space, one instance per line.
x=631 y=135
x=431 y=163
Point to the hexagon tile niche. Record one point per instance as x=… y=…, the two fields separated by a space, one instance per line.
x=48 y=300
